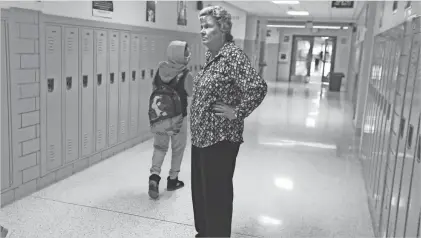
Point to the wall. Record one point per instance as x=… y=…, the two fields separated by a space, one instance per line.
x=342 y=50
x=386 y=18
x=255 y=39
x=134 y=13
x=272 y=54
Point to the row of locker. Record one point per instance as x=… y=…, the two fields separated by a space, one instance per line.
x=392 y=155
x=97 y=87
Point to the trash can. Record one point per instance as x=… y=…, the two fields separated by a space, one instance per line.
x=335 y=81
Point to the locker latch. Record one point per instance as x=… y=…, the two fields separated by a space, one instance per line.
x=99 y=79
x=50 y=85
x=69 y=83
x=402 y=128
x=85 y=81
x=143 y=74
x=134 y=75
x=151 y=73
x=111 y=78
x=123 y=76
x=410 y=134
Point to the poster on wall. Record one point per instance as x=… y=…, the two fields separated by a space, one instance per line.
x=103 y=9
x=150 y=11
x=381 y=13
x=257 y=33
x=395 y=6
x=182 y=13
x=283 y=57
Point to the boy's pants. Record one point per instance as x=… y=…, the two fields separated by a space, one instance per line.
x=161 y=144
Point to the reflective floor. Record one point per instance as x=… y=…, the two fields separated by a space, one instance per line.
x=296 y=176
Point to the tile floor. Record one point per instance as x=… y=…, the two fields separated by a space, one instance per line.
x=296 y=176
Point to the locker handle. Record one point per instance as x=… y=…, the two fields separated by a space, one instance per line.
x=143 y=74
x=402 y=127
x=50 y=84
x=99 y=79
x=419 y=149
x=134 y=75
x=151 y=73
x=85 y=81
x=410 y=134
x=111 y=78
x=69 y=83
x=123 y=76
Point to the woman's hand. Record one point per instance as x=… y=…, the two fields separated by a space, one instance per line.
x=222 y=109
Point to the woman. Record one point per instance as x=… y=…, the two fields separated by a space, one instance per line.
x=225 y=92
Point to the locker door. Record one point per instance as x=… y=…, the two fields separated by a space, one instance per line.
x=100 y=82
x=5 y=146
x=383 y=190
x=87 y=94
x=145 y=85
x=113 y=89
x=153 y=59
x=414 y=203
x=53 y=73
x=71 y=93
x=134 y=84
x=124 y=107
x=403 y=135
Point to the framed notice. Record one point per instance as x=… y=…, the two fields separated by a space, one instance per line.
x=182 y=13
x=103 y=9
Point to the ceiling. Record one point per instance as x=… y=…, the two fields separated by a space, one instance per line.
x=320 y=11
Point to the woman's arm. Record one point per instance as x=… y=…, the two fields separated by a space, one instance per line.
x=188 y=84
x=253 y=87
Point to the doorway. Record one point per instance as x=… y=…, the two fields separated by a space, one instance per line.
x=312 y=58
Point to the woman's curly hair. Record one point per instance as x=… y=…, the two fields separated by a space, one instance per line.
x=222 y=18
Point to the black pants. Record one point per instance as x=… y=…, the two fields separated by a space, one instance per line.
x=212 y=189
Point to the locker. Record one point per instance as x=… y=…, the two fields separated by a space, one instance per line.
x=113 y=88
x=389 y=77
x=134 y=84
x=152 y=57
x=53 y=72
x=87 y=92
x=100 y=89
x=414 y=202
x=403 y=136
x=410 y=147
x=144 y=85
x=5 y=134
x=124 y=102
x=70 y=86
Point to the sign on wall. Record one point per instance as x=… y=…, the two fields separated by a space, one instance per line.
x=342 y=4
x=102 y=9
x=150 y=11
x=182 y=13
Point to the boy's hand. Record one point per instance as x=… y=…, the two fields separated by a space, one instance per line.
x=177 y=126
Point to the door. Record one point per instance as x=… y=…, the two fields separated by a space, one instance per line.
x=328 y=58
x=301 y=57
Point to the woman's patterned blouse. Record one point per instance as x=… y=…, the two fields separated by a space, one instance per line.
x=228 y=78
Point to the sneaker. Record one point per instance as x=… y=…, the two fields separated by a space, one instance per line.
x=154 y=186
x=174 y=184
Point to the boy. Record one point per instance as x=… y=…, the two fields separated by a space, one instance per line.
x=173 y=73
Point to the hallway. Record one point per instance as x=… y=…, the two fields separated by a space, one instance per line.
x=296 y=176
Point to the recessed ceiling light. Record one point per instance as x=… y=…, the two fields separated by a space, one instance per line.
x=327 y=27
x=298 y=13
x=287 y=2
x=287 y=26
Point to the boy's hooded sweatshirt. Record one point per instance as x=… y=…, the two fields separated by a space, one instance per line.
x=176 y=63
